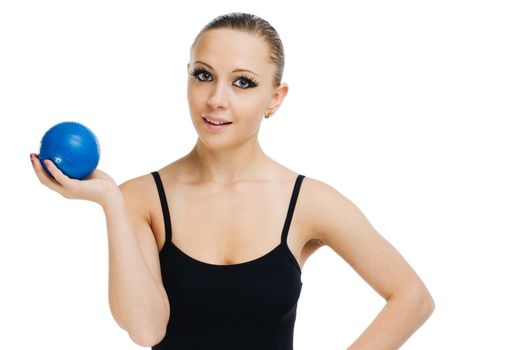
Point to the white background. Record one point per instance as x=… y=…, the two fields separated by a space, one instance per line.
x=414 y=110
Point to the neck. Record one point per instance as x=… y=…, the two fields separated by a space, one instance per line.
x=227 y=166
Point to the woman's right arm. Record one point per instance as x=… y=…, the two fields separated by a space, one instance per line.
x=138 y=300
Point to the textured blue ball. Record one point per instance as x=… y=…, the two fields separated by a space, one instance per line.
x=72 y=147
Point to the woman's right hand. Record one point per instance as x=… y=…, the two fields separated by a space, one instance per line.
x=98 y=187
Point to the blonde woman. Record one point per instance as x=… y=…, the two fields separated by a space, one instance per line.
x=207 y=252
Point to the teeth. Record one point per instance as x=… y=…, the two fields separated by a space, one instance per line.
x=216 y=123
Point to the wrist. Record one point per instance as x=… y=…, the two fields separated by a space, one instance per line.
x=111 y=197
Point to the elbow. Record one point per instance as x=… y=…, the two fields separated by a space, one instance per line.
x=147 y=339
x=425 y=303
x=418 y=299
x=430 y=306
x=148 y=336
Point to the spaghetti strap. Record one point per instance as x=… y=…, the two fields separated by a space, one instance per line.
x=164 y=206
x=290 y=211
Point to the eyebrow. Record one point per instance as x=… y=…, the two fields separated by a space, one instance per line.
x=234 y=71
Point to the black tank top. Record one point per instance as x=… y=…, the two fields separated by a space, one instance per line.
x=249 y=305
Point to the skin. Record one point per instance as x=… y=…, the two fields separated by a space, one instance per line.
x=230 y=165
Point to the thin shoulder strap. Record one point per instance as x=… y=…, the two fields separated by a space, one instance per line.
x=164 y=206
x=291 y=209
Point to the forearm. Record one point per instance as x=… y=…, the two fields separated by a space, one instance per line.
x=136 y=302
x=402 y=315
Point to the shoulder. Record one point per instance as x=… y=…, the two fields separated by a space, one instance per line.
x=138 y=185
x=315 y=195
x=139 y=193
x=330 y=211
x=143 y=188
x=318 y=194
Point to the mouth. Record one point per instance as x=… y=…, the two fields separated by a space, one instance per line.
x=215 y=127
x=215 y=123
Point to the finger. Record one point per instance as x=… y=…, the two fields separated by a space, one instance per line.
x=43 y=176
x=57 y=174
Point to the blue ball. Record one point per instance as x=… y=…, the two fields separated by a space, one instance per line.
x=72 y=147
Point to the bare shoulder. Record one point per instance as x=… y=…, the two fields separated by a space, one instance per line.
x=142 y=188
x=336 y=220
x=319 y=200
x=137 y=184
x=138 y=193
x=334 y=215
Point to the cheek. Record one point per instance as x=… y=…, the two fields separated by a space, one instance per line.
x=250 y=104
x=195 y=97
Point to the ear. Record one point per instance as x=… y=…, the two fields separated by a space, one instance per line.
x=279 y=94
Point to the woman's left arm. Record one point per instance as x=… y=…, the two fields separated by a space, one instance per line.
x=341 y=225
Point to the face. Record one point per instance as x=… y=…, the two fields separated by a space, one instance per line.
x=231 y=78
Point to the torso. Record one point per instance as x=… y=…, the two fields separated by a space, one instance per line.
x=225 y=227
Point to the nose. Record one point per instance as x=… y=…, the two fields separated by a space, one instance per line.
x=219 y=97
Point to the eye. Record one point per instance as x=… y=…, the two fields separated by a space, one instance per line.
x=201 y=74
x=246 y=83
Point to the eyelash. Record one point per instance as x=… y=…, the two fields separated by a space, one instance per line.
x=252 y=83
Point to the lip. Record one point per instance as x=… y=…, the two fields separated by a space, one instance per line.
x=214 y=127
x=215 y=119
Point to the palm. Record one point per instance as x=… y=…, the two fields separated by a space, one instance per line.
x=96 y=187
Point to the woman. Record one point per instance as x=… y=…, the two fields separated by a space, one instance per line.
x=206 y=252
